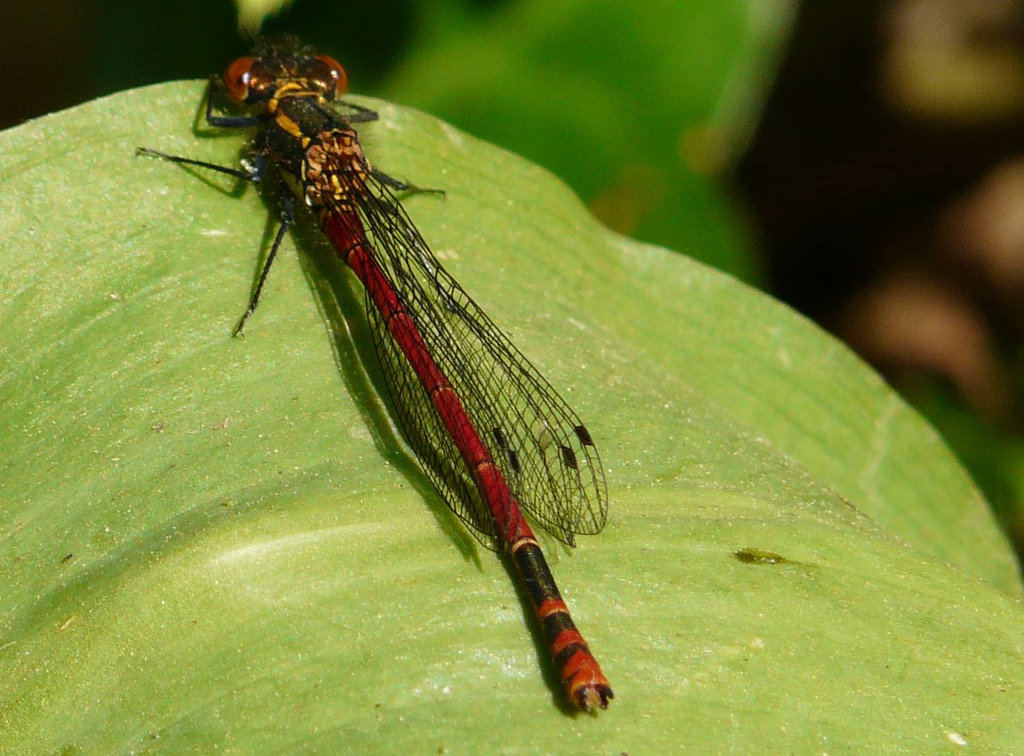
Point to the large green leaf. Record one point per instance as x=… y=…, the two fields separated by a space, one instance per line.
x=223 y=543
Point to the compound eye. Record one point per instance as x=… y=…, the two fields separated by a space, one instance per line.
x=237 y=77
x=336 y=73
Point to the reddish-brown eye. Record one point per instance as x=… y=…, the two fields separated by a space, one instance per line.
x=337 y=74
x=236 y=78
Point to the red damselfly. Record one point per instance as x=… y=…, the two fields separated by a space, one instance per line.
x=491 y=433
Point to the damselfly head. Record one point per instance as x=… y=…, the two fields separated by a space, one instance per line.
x=253 y=79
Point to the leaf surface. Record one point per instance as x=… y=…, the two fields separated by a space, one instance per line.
x=216 y=542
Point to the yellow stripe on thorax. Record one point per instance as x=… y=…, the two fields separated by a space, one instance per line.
x=298 y=88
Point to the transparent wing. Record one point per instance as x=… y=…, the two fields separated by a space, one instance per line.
x=542 y=448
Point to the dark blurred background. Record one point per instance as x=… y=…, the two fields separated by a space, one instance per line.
x=862 y=160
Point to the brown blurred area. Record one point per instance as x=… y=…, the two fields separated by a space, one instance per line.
x=41 y=57
x=888 y=175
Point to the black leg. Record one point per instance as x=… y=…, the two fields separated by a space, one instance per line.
x=246 y=174
x=359 y=113
x=224 y=121
x=286 y=221
x=403 y=186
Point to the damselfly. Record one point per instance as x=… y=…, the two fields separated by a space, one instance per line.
x=491 y=433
